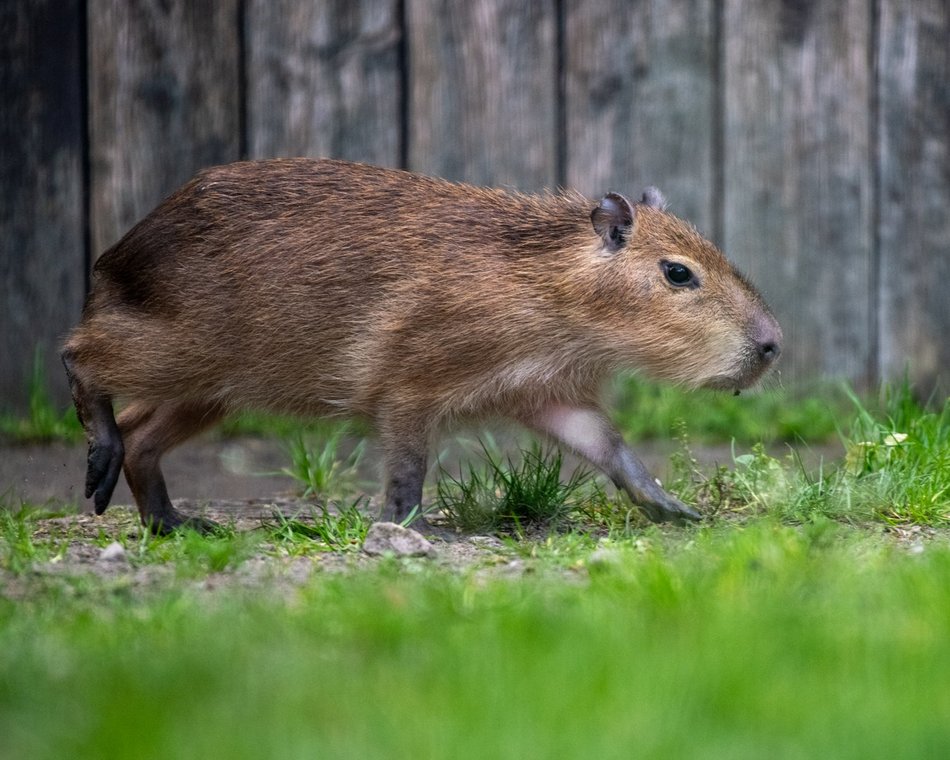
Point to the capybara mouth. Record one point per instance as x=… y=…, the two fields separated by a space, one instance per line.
x=747 y=374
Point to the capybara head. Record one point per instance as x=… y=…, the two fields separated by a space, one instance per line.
x=678 y=309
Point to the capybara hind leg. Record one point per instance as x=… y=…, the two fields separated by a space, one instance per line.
x=94 y=409
x=149 y=431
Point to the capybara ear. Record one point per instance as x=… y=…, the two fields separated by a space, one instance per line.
x=653 y=198
x=613 y=221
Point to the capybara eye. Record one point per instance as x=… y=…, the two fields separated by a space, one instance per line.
x=678 y=274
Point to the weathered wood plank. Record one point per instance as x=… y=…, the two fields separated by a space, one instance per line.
x=324 y=79
x=483 y=89
x=914 y=230
x=164 y=100
x=797 y=173
x=640 y=110
x=42 y=251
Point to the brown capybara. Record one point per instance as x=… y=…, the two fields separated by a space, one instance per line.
x=321 y=287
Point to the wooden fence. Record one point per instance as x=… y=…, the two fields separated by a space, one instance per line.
x=810 y=138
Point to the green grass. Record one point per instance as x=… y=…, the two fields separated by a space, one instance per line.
x=645 y=410
x=808 y=616
x=896 y=470
x=717 y=642
x=342 y=530
x=497 y=495
x=318 y=464
x=44 y=422
x=898 y=466
x=19 y=548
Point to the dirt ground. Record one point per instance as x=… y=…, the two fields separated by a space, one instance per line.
x=235 y=482
x=240 y=469
x=248 y=470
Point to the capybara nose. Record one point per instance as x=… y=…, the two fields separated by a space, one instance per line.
x=769 y=351
x=768 y=339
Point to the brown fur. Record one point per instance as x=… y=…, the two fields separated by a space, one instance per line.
x=320 y=287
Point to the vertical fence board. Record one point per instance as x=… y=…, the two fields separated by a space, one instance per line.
x=42 y=253
x=914 y=231
x=323 y=79
x=164 y=101
x=797 y=176
x=483 y=100
x=639 y=85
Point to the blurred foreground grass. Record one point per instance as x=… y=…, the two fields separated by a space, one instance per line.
x=733 y=642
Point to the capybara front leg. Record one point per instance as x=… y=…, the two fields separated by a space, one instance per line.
x=588 y=432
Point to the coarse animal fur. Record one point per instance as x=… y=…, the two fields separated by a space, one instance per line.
x=321 y=287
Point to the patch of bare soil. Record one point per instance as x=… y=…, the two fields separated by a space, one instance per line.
x=84 y=555
x=83 y=551
x=236 y=483
x=245 y=468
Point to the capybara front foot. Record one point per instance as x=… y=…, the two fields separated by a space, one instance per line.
x=669 y=509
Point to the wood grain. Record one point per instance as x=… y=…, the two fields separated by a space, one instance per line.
x=42 y=251
x=639 y=84
x=483 y=79
x=914 y=130
x=809 y=137
x=164 y=99
x=323 y=79
x=797 y=174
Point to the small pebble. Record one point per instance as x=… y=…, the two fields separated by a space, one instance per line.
x=486 y=542
x=389 y=538
x=114 y=552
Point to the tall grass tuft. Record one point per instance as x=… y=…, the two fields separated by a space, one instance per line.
x=342 y=530
x=496 y=495
x=896 y=469
x=320 y=467
x=898 y=463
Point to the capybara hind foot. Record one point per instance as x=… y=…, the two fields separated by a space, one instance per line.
x=172 y=520
x=149 y=431
x=155 y=508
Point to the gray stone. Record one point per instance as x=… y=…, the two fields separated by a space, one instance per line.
x=114 y=552
x=389 y=538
